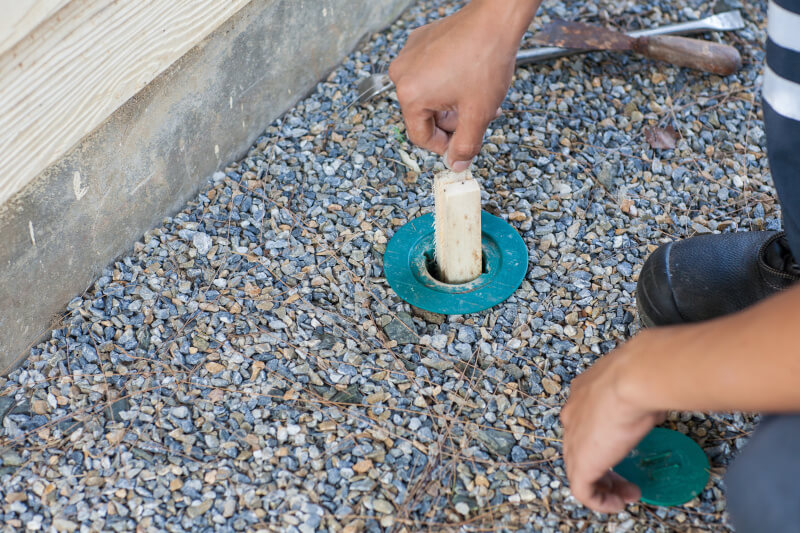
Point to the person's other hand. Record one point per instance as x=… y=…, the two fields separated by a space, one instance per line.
x=453 y=74
x=601 y=425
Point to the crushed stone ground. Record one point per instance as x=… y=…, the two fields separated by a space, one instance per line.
x=246 y=366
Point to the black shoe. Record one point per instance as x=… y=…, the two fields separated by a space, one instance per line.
x=708 y=276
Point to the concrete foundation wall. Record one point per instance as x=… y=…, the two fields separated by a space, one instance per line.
x=159 y=148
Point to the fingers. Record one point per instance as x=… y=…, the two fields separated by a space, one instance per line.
x=421 y=123
x=609 y=494
x=424 y=132
x=565 y=415
x=466 y=140
x=447 y=120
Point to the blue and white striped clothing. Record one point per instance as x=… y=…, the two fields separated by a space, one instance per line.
x=781 y=96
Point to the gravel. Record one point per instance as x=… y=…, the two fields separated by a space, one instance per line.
x=246 y=367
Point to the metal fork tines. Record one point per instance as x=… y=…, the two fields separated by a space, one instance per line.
x=372 y=86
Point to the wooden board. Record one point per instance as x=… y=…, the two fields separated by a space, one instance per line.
x=74 y=69
x=457 y=225
x=20 y=17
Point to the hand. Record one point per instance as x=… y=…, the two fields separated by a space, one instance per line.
x=601 y=426
x=453 y=74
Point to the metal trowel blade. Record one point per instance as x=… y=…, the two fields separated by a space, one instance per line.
x=567 y=34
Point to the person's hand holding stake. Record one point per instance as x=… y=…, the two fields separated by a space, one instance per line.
x=453 y=74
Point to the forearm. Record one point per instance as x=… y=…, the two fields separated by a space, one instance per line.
x=749 y=361
x=510 y=17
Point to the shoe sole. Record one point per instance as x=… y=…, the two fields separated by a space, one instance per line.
x=654 y=291
x=644 y=319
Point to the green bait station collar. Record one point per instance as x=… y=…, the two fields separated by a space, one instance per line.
x=667 y=466
x=411 y=271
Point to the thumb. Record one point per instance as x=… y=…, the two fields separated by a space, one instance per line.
x=466 y=141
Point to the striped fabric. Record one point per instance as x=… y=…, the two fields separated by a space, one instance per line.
x=781 y=94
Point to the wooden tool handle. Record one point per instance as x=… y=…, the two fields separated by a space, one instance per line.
x=698 y=54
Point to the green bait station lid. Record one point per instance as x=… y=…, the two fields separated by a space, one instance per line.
x=669 y=468
x=410 y=268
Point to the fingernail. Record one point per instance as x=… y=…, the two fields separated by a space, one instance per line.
x=460 y=166
x=456 y=166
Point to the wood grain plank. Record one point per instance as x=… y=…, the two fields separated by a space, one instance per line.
x=457 y=226
x=20 y=17
x=63 y=79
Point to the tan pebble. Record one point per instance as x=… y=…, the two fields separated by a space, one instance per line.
x=374 y=398
x=62 y=524
x=382 y=506
x=229 y=508
x=362 y=466
x=40 y=407
x=462 y=508
x=354 y=527
x=213 y=367
x=255 y=368
x=572 y=318
x=197 y=510
x=94 y=481
x=550 y=386
x=16 y=497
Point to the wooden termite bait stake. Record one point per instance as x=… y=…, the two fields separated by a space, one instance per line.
x=457 y=227
x=459 y=259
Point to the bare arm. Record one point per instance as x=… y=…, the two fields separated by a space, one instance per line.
x=453 y=74
x=749 y=361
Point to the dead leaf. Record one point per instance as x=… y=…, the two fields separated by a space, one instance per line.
x=409 y=161
x=525 y=423
x=661 y=138
x=411 y=177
